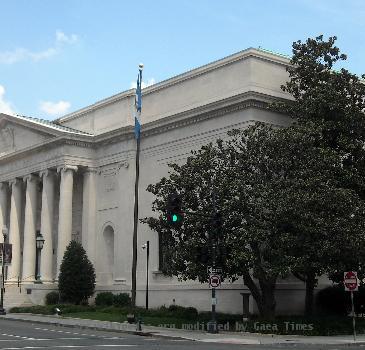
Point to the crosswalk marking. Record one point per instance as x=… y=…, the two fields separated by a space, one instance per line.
x=82 y=334
x=15 y=336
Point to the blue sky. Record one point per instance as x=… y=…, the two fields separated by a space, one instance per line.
x=60 y=56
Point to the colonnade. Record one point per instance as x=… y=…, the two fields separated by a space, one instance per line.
x=23 y=265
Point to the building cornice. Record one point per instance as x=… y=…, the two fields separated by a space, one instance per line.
x=250 y=52
x=161 y=125
x=205 y=112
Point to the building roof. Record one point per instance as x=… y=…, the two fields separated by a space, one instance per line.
x=261 y=52
x=51 y=124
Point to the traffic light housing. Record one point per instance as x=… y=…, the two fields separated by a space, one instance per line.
x=174 y=213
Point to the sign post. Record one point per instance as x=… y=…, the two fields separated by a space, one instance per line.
x=351 y=284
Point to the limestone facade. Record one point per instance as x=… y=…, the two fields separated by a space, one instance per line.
x=73 y=178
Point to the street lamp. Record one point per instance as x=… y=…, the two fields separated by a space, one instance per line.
x=5 y=234
x=147 y=247
x=39 y=246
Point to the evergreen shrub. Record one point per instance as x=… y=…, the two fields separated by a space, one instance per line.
x=104 y=299
x=52 y=298
x=76 y=281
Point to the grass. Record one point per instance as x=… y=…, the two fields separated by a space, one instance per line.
x=97 y=315
x=182 y=318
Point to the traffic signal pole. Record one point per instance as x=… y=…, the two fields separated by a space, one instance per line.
x=175 y=216
x=212 y=328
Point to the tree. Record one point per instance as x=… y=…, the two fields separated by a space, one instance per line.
x=291 y=199
x=333 y=101
x=325 y=225
x=76 y=282
x=318 y=223
x=255 y=178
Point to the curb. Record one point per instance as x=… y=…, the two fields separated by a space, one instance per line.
x=165 y=336
x=79 y=326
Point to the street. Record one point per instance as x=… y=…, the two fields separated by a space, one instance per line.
x=21 y=335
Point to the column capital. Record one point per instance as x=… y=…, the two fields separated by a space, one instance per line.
x=14 y=182
x=30 y=178
x=64 y=168
x=46 y=172
x=90 y=171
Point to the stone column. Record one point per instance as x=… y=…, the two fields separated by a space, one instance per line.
x=14 y=229
x=65 y=212
x=29 y=246
x=3 y=207
x=89 y=214
x=48 y=177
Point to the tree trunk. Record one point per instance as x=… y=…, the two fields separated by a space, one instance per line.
x=268 y=299
x=310 y=284
x=265 y=298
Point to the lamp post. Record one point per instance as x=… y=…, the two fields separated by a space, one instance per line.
x=39 y=246
x=147 y=247
x=5 y=234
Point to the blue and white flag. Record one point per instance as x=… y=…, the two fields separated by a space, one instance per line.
x=138 y=104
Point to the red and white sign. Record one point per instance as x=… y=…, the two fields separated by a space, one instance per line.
x=214 y=280
x=350 y=281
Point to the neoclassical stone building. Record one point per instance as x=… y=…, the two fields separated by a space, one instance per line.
x=73 y=178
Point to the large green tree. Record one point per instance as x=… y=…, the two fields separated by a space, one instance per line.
x=76 y=281
x=291 y=199
x=334 y=101
x=259 y=180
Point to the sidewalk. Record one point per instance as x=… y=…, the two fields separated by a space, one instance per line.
x=223 y=337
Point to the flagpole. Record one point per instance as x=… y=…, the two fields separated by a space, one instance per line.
x=135 y=222
x=135 y=226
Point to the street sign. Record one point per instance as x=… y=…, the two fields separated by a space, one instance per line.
x=350 y=281
x=214 y=301
x=214 y=270
x=214 y=280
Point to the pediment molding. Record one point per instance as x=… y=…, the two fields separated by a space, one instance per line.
x=193 y=116
x=38 y=128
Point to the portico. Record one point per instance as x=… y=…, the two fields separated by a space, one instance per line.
x=23 y=267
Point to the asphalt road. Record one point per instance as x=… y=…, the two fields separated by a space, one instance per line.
x=16 y=335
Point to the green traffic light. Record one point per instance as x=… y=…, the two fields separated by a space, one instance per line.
x=175 y=218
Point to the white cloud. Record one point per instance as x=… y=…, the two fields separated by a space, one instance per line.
x=5 y=106
x=149 y=82
x=21 y=54
x=63 y=38
x=54 y=108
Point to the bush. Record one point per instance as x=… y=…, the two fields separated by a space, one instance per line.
x=335 y=300
x=67 y=309
x=52 y=298
x=36 y=309
x=104 y=299
x=121 y=300
x=184 y=312
x=76 y=281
